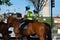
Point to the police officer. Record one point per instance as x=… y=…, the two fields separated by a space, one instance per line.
x=36 y=15
x=29 y=14
x=29 y=17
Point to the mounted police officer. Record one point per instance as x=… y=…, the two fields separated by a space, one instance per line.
x=28 y=19
x=36 y=15
x=29 y=14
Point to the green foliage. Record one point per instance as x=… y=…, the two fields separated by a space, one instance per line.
x=7 y=2
x=48 y=20
x=0 y=2
x=54 y=31
x=58 y=16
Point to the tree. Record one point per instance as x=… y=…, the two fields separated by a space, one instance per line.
x=7 y=2
x=39 y=4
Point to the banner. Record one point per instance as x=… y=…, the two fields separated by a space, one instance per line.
x=56 y=20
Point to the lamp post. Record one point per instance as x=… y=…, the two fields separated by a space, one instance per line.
x=52 y=5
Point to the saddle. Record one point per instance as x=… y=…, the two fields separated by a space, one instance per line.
x=23 y=26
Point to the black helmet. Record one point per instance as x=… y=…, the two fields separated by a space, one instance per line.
x=27 y=7
x=35 y=11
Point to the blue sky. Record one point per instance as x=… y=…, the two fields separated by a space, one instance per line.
x=19 y=5
x=56 y=9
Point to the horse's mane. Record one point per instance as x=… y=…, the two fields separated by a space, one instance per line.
x=47 y=24
x=15 y=19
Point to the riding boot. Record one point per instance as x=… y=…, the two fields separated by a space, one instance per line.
x=21 y=28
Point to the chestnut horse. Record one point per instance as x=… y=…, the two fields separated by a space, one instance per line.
x=4 y=30
x=39 y=28
x=15 y=23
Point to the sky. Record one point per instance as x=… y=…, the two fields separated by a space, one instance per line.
x=19 y=6
x=56 y=9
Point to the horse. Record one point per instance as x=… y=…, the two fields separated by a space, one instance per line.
x=4 y=30
x=39 y=28
x=12 y=21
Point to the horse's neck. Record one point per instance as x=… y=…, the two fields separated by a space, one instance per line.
x=17 y=20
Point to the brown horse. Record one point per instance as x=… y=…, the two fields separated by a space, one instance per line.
x=4 y=30
x=39 y=28
x=15 y=23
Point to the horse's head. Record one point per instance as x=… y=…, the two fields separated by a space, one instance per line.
x=10 y=20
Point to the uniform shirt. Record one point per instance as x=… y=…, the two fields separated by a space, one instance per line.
x=29 y=15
